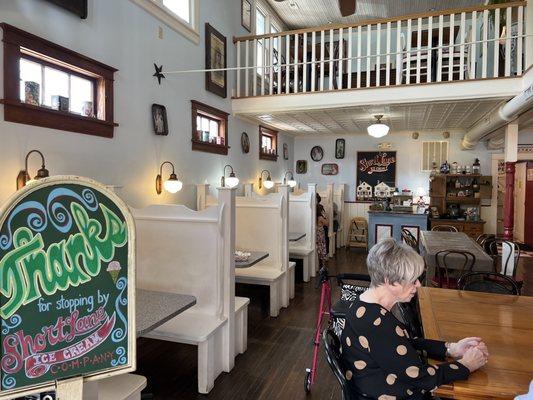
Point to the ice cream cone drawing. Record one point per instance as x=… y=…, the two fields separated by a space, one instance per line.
x=114 y=269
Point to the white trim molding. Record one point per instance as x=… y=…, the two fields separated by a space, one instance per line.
x=190 y=30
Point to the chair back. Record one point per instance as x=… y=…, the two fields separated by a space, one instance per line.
x=444 y=228
x=462 y=262
x=408 y=313
x=332 y=345
x=489 y=282
x=481 y=239
x=506 y=250
x=410 y=239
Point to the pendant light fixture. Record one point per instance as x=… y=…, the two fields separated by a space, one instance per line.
x=378 y=129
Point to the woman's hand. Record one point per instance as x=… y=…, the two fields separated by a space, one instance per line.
x=458 y=349
x=473 y=359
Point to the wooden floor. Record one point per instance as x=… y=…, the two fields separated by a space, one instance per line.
x=279 y=349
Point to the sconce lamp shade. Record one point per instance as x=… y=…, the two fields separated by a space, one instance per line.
x=291 y=182
x=171 y=185
x=232 y=181
x=378 y=129
x=268 y=183
x=24 y=178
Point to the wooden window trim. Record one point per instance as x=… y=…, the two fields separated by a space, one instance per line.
x=215 y=114
x=20 y=44
x=264 y=131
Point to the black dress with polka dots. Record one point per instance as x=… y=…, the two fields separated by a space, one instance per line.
x=382 y=361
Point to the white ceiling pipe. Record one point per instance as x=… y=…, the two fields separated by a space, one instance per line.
x=496 y=143
x=498 y=118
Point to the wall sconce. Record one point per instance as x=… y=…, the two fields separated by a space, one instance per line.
x=231 y=181
x=23 y=177
x=268 y=182
x=171 y=185
x=291 y=182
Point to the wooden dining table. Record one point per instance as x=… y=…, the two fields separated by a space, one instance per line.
x=431 y=242
x=504 y=322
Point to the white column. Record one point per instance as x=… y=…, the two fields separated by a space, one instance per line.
x=284 y=191
x=226 y=200
x=202 y=191
x=331 y=234
x=311 y=188
x=511 y=142
x=529 y=39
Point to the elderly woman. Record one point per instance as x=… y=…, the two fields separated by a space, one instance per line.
x=380 y=358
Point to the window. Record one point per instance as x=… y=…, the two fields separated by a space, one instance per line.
x=209 y=128
x=180 y=15
x=268 y=141
x=260 y=29
x=433 y=154
x=50 y=86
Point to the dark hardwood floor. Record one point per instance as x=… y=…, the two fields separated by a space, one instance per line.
x=279 y=349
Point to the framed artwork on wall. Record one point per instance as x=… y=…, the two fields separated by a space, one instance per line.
x=285 y=151
x=317 y=153
x=246 y=15
x=377 y=169
x=245 y=143
x=301 y=166
x=215 y=58
x=339 y=148
x=159 y=119
x=330 y=169
x=78 y=7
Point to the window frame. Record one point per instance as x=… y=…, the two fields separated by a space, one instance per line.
x=273 y=135
x=213 y=114
x=19 y=44
x=190 y=30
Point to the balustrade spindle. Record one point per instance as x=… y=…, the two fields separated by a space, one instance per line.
x=378 y=52
x=484 y=51
x=271 y=66
x=238 y=69
x=280 y=58
x=341 y=56
x=304 y=65
x=322 y=46
x=387 y=58
x=255 y=70
x=496 y=43
x=462 y=39
x=349 y=64
x=331 y=54
x=247 y=70
x=408 y=53
x=296 y=66
x=508 y=28
x=429 y=51
x=520 y=41
x=473 y=47
x=359 y=39
x=368 y=53
x=441 y=43
x=263 y=65
x=451 y=48
x=287 y=64
x=418 y=46
x=313 y=61
x=399 y=53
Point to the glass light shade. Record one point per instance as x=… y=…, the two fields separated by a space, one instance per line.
x=173 y=186
x=378 y=130
x=268 y=184
x=291 y=183
x=232 y=181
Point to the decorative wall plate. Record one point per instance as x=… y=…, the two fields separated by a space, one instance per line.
x=245 y=143
x=317 y=153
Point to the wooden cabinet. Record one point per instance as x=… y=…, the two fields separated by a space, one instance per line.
x=471 y=228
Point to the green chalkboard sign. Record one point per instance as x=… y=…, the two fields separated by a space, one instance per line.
x=66 y=284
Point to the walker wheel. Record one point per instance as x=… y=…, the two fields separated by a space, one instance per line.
x=307 y=382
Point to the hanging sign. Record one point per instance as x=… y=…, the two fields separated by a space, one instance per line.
x=66 y=284
x=374 y=167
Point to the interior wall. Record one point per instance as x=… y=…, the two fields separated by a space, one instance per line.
x=124 y=36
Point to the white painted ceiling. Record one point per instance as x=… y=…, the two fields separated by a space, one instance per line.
x=400 y=117
x=322 y=12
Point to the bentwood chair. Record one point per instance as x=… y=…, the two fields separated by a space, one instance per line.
x=450 y=265
x=505 y=254
x=410 y=239
x=444 y=228
x=481 y=239
x=490 y=282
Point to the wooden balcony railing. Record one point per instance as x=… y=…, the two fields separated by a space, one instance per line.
x=451 y=45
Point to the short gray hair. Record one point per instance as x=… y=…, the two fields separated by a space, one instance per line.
x=393 y=262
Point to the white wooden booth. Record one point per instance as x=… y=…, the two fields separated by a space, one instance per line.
x=261 y=225
x=192 y=252
x=338 y=205
x=327 y=203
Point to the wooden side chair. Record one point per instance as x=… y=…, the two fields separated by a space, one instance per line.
x=445 y=275
x=444 y=228
x=490 y=282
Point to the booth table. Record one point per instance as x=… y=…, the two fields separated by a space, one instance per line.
x=254 y=258
x=156 y=308
x=295 y=236
x=504 y=322
x=431 y=242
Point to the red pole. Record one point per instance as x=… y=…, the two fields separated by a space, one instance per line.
x=508 y=203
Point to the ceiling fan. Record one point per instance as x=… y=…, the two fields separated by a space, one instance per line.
x=346 y=7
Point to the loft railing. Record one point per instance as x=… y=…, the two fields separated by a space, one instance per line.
x=451 y=45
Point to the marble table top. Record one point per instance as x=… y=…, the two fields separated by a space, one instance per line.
x=295 y=236
x=254 y=258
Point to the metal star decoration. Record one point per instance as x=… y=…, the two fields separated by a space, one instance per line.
x=159 y=73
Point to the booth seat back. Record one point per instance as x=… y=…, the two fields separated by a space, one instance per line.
x=301 y=217
x=259 y=226
x=338 y=202
x=327 y=201
x=181 y=251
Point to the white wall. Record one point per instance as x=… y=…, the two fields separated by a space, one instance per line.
x=124 y=36
x=408 y=153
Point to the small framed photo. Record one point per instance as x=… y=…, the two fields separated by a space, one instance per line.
x=245 y=143
x=159 y=118
x=339 y=148
x=330 y=169
x=215 y=59
x=301 y=166
x=317 y=153
x=246 y=15
x=285 y=151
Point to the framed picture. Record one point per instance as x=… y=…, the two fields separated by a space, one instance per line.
x=330 y=169
x=245 y=143
x=78 y=7
x=339 y=148
x=377 y=169
x=215 y=58
x=285 y=151
x=317 y=153
x=246 y=15
x=301 y=166
x=159 y=118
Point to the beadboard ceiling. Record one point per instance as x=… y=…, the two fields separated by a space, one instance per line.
x=322 y=12
x=400 y=117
